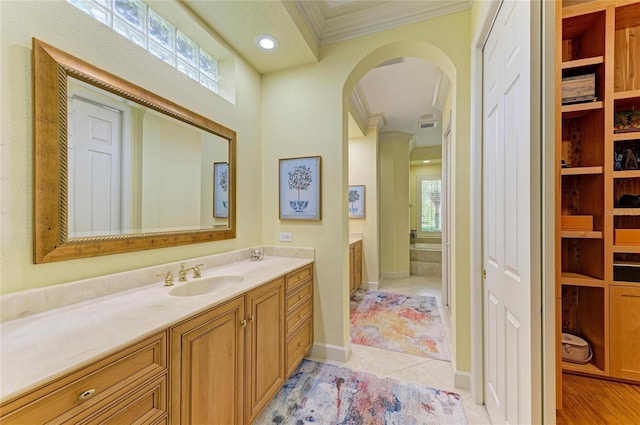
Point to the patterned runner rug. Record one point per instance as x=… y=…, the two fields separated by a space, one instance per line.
x=324 y=394
x=406 y=323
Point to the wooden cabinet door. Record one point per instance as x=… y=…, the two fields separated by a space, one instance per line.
x=625 y=332
x=207 y=361
x=352 y=277
x=265 y=369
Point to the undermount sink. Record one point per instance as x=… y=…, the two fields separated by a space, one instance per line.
x=205 y=286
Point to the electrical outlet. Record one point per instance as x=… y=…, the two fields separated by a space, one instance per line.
x=286 y=237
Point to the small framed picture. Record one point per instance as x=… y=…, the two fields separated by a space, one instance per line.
x=356 y=201
x=301 y=188
x=220 y=189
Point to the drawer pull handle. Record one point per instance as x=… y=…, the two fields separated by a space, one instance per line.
x=85 y=395
x=243 y=323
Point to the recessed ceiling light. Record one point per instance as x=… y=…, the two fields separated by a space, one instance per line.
x=426 y=161
x=267 y=42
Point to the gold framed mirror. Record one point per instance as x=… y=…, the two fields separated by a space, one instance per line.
x=119 y=169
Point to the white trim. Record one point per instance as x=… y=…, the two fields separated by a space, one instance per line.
x=331 y=352
x=548 y=215
x=395 y=275
x=445 y=236
x=374 y=286
x=479 y=38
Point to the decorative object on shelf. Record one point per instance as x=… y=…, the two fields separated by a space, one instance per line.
x=563 y=164
x=629 y=201
x=300 y=188
x=579 y=88
x=627 y=237
x=221 y=189
x=577 y=222
x=626 y=121
x=356 y=201
x=625 y=160
x=575 y=349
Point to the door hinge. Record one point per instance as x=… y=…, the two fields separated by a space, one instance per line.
x=484 y=274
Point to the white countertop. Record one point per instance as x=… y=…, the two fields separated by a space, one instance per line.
x=38 y=348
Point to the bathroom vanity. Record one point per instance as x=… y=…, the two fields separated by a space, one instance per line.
x=213 y=353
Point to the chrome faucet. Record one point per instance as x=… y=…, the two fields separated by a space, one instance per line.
x=182 y=274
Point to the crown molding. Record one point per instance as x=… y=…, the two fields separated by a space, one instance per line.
x=329 y=27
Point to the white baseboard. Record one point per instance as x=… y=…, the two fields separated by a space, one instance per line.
x=462 y=380
x=396 y=275
x=374 y=286
x=331 y=352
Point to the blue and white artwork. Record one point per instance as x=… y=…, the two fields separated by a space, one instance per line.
x=356 y=201
x=300 y=188
x=221 y=189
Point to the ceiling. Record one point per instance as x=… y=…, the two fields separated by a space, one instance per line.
x=399 y=92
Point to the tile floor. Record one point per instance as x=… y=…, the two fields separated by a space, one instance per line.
x=419 y=370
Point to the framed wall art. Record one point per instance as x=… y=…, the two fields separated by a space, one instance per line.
x=300 y=188
x=356 y=201
x=220 y=189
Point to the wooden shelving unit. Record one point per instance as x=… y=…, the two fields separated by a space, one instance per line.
x=597 y=37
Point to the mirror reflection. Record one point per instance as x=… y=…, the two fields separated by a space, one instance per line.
x=135 y=170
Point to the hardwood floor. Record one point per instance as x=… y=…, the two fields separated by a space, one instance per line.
x=596 y=401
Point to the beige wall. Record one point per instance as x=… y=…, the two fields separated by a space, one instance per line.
x=419 y=170
x=304 y=113
x=394 y=205
x=364 y=170
x=62 y=25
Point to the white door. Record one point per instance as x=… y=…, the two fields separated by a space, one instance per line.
x=94 y=168
x=508 y=222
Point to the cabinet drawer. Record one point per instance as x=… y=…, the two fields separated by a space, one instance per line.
x=298 y=277
x=294 y=300
x=146 y=406
x=299 y=345
x=299 y=315
x=107 y=380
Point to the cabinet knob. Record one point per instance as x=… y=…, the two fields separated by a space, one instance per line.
x=300 y=316
x=300 y=297
x=243 y=323
x=251 y=318
x=85 y=395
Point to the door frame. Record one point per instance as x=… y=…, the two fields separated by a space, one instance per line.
x=446 y=214
x=545 y=302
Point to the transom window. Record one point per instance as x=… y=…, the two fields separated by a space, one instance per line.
x=430 y=210
x=139 y=23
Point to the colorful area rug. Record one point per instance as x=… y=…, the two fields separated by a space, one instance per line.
x=406 y=323
x=324 y=394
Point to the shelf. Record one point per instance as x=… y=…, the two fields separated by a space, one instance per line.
x=580 y=171
x=626 y=211
x=627 y=174
x=577 y=279
x=626 y=94
x=579 y=63
x=579 y=109
x=626 y=249
x=582 y=368
x=631 y=135
x=580 y=234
